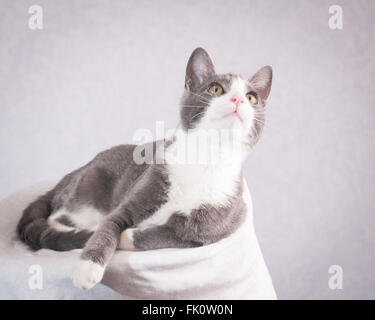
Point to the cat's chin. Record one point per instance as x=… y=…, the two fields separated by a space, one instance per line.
x=233 y=121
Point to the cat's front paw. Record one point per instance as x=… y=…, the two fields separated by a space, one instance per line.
x=87 y=274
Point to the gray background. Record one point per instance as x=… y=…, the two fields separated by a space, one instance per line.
x=100 y=70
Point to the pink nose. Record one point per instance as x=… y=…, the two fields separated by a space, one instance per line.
x=237 y=100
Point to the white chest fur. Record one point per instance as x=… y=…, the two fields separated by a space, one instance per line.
x=192 y=185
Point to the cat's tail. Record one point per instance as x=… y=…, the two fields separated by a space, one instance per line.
x=34 y=230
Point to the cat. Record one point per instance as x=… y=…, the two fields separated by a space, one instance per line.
x=118 y=202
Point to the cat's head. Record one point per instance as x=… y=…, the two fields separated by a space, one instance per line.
x=224 y=101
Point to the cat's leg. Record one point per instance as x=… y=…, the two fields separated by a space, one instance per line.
x=97 y=253
x=156 y=237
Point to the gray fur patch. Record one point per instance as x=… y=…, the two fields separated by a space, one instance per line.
x=205 y=225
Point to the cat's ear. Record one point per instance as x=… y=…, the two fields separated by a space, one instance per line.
x=199 y=68
x=262 y=81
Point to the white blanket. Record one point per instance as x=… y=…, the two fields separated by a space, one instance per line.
x=233 y=268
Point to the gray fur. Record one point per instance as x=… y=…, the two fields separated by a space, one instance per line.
x=127 y=193
x=113 y=183
x=205 y=225
x=66 y=220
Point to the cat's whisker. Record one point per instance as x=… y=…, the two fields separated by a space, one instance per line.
x=191 y=106
x=260 y=121
x=259 y=117
x=270 y=126
x=198 y=114
x=253 y=131
x=199 y=96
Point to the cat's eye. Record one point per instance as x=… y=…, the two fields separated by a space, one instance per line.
x=216 y=89
x=252 y=97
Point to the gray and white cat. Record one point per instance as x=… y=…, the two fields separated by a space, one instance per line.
x=115 y=201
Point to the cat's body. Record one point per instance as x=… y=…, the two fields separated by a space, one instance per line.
x=172 y=196
x=115 y=201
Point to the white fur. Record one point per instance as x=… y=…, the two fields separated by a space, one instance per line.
x=87 y=274
x=127 y=239
x=85 y=217
x=187 y=192
x=59 y=226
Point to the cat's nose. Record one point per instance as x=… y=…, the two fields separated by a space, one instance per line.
x=237 y=100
